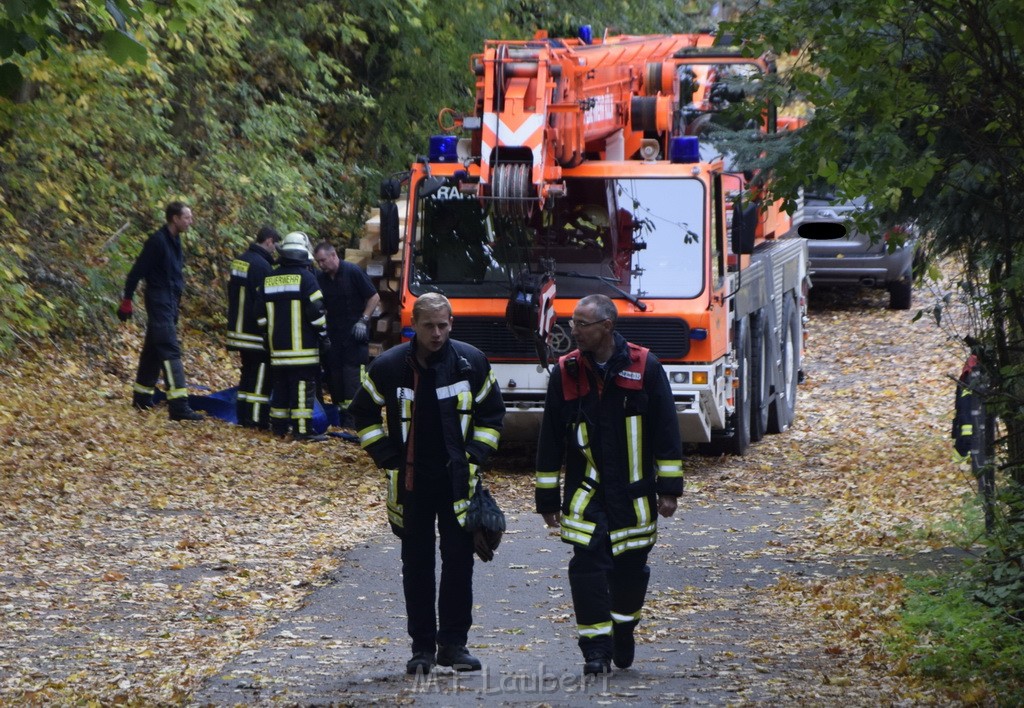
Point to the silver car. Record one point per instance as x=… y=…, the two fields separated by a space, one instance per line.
x=842 y=255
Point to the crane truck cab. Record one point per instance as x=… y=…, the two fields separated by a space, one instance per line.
x=614 y=189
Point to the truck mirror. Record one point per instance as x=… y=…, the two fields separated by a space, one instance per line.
x=391 y=188
x=744 y=226
x=389 y=228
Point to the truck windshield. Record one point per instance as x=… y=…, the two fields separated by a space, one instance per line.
x=641 y=236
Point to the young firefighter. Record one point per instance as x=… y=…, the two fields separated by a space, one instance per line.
x=444 y=418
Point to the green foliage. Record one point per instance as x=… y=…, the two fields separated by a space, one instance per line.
x=1002 y=565
x=916 y=105
x=947 y=635
x=280 y=112
x=45 y=27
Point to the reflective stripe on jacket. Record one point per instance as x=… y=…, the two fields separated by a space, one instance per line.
x=619 y=439
x=471 y=409
x=292 y=311
x=248 y=272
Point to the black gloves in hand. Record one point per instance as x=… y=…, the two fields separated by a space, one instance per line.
x=482 y=546
x=361 y=331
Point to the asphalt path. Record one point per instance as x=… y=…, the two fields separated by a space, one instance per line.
x=348 y=646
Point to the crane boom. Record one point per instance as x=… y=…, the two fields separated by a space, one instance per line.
x=547 y=104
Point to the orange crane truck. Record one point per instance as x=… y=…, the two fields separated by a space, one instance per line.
x=591 y=167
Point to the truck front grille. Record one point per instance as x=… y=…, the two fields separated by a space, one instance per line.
x=667 y=337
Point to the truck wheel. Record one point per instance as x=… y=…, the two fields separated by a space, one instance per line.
x=740 y=419
x=759 y=382
x=783 y=408
x=901 y=295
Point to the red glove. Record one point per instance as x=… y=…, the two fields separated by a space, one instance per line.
x=124 y=312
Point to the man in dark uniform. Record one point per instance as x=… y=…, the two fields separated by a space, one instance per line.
x=245 y=336
x=160 y=264
x=610 y=417
x=444 y=418
x=291 y=308
x=350 y=299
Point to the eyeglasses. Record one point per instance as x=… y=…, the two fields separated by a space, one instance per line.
x=576 y=324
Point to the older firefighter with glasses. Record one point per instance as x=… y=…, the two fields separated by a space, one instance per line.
x=610 y=418
x=291 y=308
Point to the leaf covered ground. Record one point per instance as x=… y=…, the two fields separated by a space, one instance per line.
x=140 y=555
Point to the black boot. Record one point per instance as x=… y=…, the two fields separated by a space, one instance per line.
x=243 y=412
x=420 y=663
x=596 y=662
x=142 y=401
x=457 y=657
x=179 y=409
x=624 y=646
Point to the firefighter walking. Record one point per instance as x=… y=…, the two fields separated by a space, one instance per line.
x=292 y=311
x=610 y=417
x=160 y=265
x=245 y=336
x=444 y=418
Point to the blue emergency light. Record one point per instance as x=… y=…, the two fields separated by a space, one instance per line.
x=586 y=34
x=443 y=148
x=699 y=334
x=684 y=149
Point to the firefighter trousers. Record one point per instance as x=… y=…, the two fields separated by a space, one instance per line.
x=449 y=625
x=607 y=594
x=343 y=370
x=252 y=406
x=161 y=354
x=291 y=407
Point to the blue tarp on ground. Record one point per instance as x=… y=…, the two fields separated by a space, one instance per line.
x=221 y=404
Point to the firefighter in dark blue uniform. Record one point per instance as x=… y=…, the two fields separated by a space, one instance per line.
x=350 y=299
x=444 y=419
x=292 y=311
x=610 y=417
x=160 y=264
x=245 y=336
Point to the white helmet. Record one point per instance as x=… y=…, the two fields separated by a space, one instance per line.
x=296 y=245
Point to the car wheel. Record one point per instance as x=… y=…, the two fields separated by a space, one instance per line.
x=900 y=295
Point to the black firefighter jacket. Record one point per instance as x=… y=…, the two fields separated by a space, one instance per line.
x=619 y=439
x=291 y=309
x=248 y=272
x=471 y=408
x=161 y=264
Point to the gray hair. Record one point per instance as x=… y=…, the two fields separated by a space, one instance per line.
x=603 y=306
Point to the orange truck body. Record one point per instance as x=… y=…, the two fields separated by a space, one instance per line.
x=590 y=163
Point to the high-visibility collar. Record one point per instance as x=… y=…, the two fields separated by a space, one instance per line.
x=575 y=384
